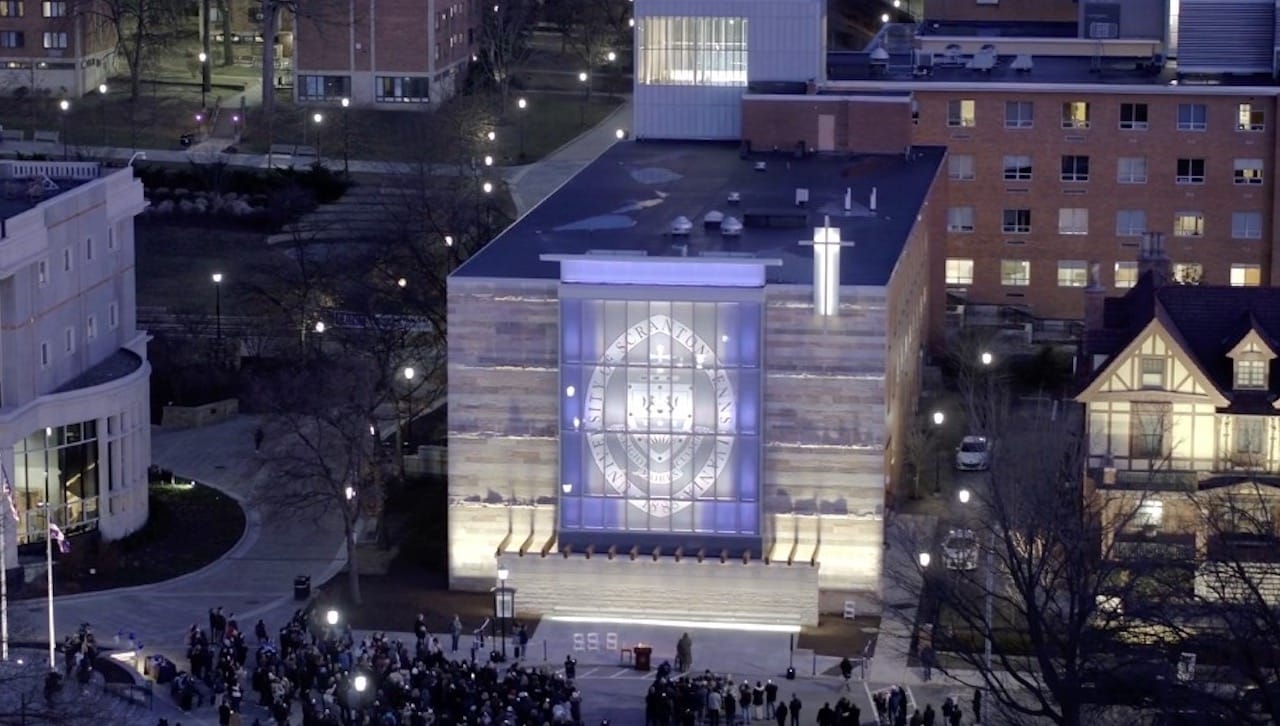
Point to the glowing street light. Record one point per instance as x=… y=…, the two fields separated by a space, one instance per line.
x=361 y=683
x=522 y=104
x=331 y=617
x=938 y=418
x=986 y=358
x=924 y=558
x=964 y=496
x=319 y=326
x=487 y=187
x=346 y=136
x=205 y=82
x=217 y=304
x=65 y=105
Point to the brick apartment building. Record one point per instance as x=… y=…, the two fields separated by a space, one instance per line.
x=1071 y=129
x=385 y=53
x=53 y=46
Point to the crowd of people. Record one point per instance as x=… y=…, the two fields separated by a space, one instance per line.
x=319 y=675
x=719 y=700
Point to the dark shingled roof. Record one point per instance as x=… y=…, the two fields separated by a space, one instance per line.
x=1209 y=320
x=117 y=365
x=627 y=198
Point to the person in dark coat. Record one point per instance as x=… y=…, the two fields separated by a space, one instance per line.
x=794 y=708
x=977 y=704
x=780 y=713
x=684 y=653
x=929 y=715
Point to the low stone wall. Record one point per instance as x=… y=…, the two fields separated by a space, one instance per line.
x=754 y=592
x=186 y=417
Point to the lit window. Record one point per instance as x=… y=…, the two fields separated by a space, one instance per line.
x=1018 y=114
x=1133 y=116
x=1246 y=225
x=1072 y=273
x=52 y=41
x=960 y=219
x=53 y=8
x=1251 y=373
x=1150 y=513
x=1147 y=428
x=1130 y=222
x=1015 y=273
x=1152 y=372
x=1132 y=170
x=960 y=167
x=1188 y=273
x=1245 y=275
x=692 y=51
x=1248 y=171
x=11 y=8
x=1017 y=168
x=1075 y=168
x=1188 y=224
x=402 y=89
x=962 y=113
x=1192 y=117
x=1016 y=221
x=1073 y=220
x=1126 y=274
x=320 y=88
x=1250 y=430
x=1190 y=171
x=959 y=271
x=1250 y=118
x=1075 y=115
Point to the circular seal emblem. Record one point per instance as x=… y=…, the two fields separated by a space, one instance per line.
x=658 y=414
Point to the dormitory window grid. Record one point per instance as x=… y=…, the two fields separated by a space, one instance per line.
x=12 y=8
x=1133 y=116
x=1073 y=221
x=960 y=167
x=1130 y=222
x=960 y=219
x=1131 y=170
x=1190 y=171
x=1017 y=168
x=962 y=113
x=1075 y=168
x=959 y=271
x=1015 y=273
x=1016 y=221
x=1246 y=225
x=1247 y=171
x=1192 y=117
x=1250 y=118
x=1073 y=273
x=1019 y=114
x=1075 y=115
x=1188 y=224
x=692 y=51
x=1246 y=275
x=54 y=41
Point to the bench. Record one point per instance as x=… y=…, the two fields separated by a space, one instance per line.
x=11 y=135
x=51 y=137
x=292 y=150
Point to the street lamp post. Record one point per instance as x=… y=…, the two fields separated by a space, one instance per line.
x=318 y=118
x=938 y=419
x=102 y=110
x=204 y=77
x=217 y=305
x=522 y=104
x=964 y=496
x=346 y=137
x=65 y=106
x=584 y=79
x=504 y=606
x=48 y=566
x=409 y=374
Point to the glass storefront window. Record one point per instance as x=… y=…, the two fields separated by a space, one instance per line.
x=693 y=51
x=58 y=465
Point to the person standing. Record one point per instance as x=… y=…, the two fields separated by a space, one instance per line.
x=713 y=707
x=926 y=660
x=455 y=631
x=770 y=696
x=684 y=653
x=794 y=709
x=780 y=713
x=757 y=702
x=522 y=642
x=977 y=705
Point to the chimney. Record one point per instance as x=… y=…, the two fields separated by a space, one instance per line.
x=1095 y=296
x=1151 y=257
x=872 y=206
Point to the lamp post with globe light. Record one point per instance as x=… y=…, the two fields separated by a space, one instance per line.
x=318 y=118
x=410 y=374
x=964 y=496
x=205 y=82
x=346 y=134
x=504 y=606
x=585 y=80
x=102 y=111
x=521 y=105
x=938 y=419
x=217 y=305
x=65 y=106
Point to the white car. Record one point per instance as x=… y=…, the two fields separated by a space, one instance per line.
x=974 y=453
x=960 y=550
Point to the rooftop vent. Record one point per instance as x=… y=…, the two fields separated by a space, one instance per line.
x=761 y=166
x=802 y=196
x=735 y=197
x=713 y=218
x=879 y=54
x=681 y=225
x=731 y=227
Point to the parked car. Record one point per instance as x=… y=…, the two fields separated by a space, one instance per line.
x=960 y=550
x=974 y=453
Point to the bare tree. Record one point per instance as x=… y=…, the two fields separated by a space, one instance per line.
x=25 y=699
x=143 y=28
x=591 y=29
x=1051 y=600
x=321 y=415
x=505 y=30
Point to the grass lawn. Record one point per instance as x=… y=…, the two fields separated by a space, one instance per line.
x=162 y=550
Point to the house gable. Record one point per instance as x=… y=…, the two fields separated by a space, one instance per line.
x=1122 y=377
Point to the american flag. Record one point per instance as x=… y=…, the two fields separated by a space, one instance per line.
x=55 y=534
x=8 y=493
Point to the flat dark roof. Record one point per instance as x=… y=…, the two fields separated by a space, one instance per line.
x=627 y=198
x=16 y=193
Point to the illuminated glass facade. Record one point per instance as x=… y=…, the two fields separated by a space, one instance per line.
x=660 y=419
x=693 y=51
x=58 y=465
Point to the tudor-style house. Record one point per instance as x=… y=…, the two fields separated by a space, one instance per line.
x=1182 y=423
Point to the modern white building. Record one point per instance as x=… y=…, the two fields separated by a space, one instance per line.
x=74 y=395
x=695 y=60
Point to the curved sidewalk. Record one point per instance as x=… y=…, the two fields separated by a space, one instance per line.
x=253 y=580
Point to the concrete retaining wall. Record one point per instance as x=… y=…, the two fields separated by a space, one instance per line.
x=187 y=417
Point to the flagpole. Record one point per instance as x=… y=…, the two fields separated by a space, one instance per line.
x=48 y=563
x=4 y=574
